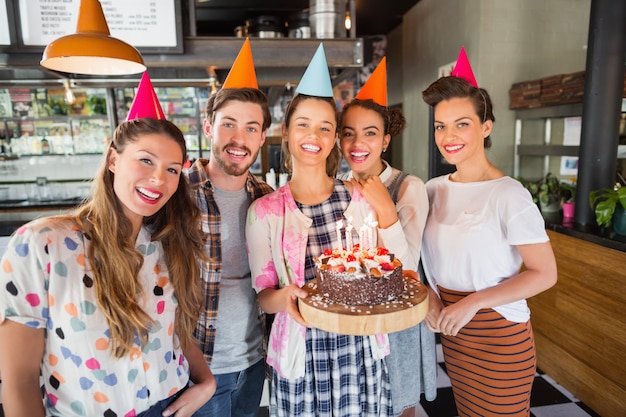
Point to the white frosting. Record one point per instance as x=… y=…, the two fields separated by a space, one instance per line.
x=364 y=260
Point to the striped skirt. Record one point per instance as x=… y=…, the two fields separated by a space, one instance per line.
x=491 y=363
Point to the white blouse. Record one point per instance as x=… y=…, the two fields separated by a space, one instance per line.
x=472 y=232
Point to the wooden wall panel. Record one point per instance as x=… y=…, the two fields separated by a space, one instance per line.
x=580 y=324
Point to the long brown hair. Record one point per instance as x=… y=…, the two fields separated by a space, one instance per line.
x=334 y=158
x=114 y=261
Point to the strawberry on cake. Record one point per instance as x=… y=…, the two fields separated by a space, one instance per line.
x=360 y=276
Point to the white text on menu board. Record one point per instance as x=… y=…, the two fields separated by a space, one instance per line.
x=142 y=23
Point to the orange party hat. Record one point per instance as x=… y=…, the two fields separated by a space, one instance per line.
x=146 y=103
x=463 y=69
x=242 y=73
x=375 y=87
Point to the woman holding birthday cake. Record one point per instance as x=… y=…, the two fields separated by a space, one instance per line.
x=315 y=372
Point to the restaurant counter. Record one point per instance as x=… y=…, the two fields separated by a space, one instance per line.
x=22 y=205
x=14 y=213
x=579 y=324
x=591 y=234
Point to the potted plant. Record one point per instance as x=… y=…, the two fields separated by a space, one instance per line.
x=551 y=193
x=609 y=205
x=569 y=196
x=532 y=187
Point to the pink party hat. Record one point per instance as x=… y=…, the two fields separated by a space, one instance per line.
x=375 y=87
x=242 y=73
x=463 y=69
x=146 y=103
x=316 y=79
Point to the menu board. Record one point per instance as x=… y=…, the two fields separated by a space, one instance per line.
x=5 y=36
x=141 y=23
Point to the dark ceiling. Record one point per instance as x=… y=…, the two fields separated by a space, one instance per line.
x=221 y=17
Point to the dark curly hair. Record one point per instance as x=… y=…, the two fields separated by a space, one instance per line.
x=393 y=119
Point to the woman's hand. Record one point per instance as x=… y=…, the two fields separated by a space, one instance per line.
x=192 y=399
x=203 y=387
x=453 y=317
x=378 y=197
x=291 y=293
x=434 y=309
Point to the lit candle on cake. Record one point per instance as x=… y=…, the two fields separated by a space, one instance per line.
x=363 y=237
x=349 y=228
x=338 y=229
x=371 y=226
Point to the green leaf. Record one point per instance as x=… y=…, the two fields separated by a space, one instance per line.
x=604 y=212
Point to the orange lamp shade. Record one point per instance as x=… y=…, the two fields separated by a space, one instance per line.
x=92 y=50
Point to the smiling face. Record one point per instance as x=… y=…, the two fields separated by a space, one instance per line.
x=236 y=136
x=311 y=132
x=146 y=174
x=459 y=134
x=362 y=141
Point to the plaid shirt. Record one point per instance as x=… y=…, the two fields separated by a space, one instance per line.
x=210 y=272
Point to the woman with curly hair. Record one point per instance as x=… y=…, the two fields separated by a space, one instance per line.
x=366 y=128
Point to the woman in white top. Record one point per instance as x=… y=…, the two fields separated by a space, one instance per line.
x=481 y=227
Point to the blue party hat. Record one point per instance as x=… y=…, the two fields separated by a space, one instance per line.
x=316 y=78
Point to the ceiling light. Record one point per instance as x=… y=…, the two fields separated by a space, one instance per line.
x=92 y=50
x=348 y=21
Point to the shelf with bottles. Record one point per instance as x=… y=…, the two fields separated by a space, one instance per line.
x=27 y=102
x=50 y=121
x=56 y=136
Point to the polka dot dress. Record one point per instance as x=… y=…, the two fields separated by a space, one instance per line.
x=46 y=284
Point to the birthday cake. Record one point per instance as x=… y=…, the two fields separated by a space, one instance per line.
x=360 y=276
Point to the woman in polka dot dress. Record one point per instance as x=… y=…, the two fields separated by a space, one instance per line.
x=102 y=302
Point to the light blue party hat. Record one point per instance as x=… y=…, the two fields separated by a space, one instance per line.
x=316 y=78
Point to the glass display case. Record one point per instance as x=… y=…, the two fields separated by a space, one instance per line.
x=39 y=121
x=184 y=106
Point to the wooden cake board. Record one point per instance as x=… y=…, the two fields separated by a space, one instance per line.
x=409 y=309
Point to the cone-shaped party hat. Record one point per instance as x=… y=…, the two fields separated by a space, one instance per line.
x=146 y=102
x=316 y=78
x=242 y=73
x=375 y=87
x=463 y=69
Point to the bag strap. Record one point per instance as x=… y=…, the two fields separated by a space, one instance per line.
x=394 y=187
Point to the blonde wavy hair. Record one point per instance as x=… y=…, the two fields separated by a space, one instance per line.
x=114 y=261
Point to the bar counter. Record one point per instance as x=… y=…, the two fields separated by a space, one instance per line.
x=27 y=205
x=579 y=324
x=14 y=213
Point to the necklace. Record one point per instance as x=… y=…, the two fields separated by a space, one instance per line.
x=483 y=175
x=480 y=178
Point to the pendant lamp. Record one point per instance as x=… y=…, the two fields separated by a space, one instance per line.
x=92 y=50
